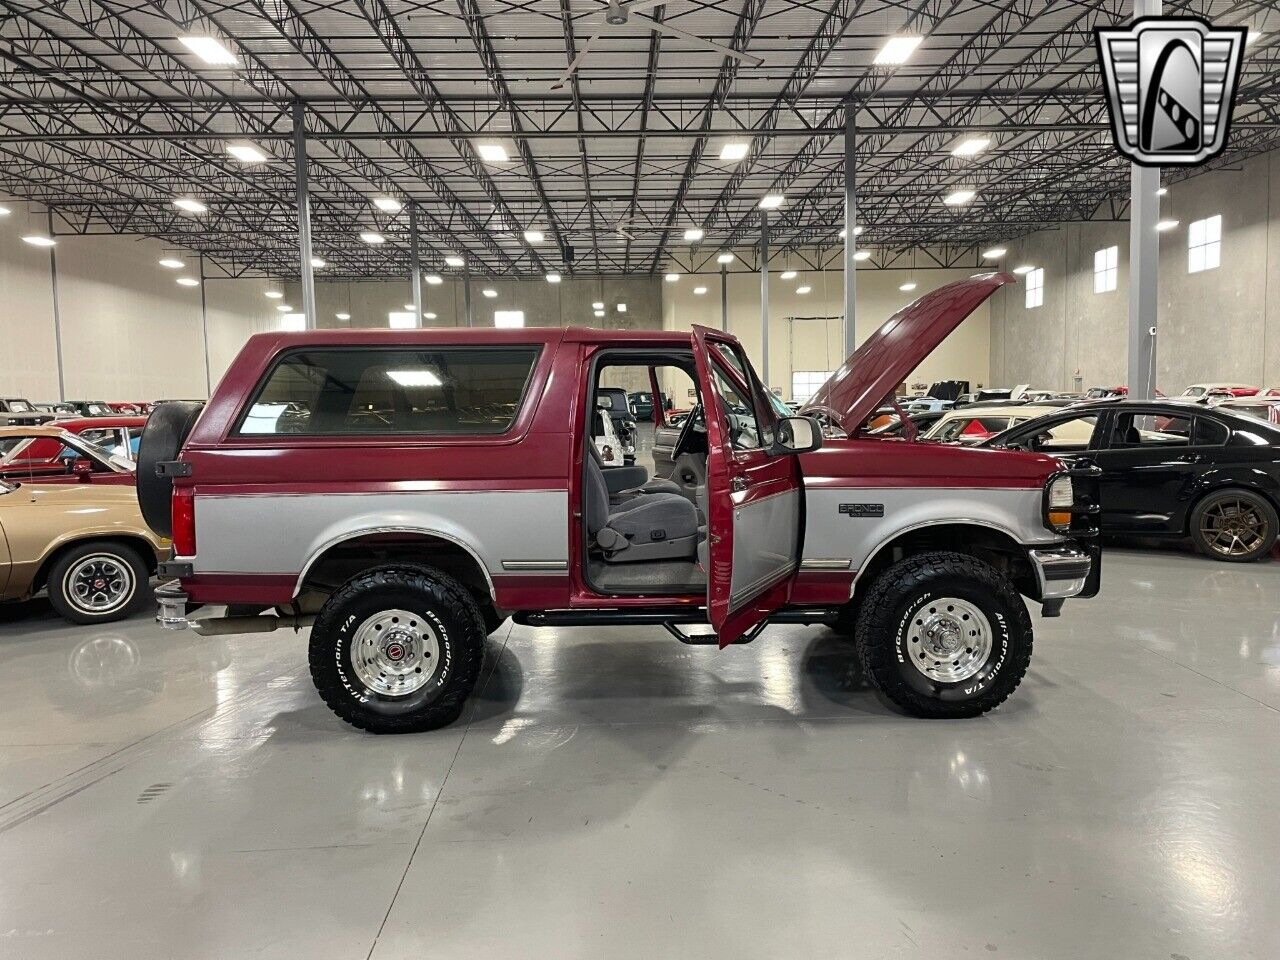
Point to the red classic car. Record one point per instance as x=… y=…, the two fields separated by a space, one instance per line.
x=49 y=454
x=118 y=435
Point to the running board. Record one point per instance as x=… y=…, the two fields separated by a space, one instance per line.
x=670 y=619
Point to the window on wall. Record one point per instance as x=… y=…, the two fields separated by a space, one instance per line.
x=1106 y=266
x=1204 y=244
x=804 y=383
x=1035 y=287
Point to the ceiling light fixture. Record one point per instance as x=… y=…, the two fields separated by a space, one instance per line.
x=1162 y=191
x=368 y=236
x=274 y=295
x=787 y=275
x=534 y=236
x=388 y=204
x=671 y=277
x=803 y=290
x=699 y=291
x=190 y=205
x=1166 y=225
x=434 y=279
x=693 y=234
x=995 y=253
x=246 y=153
x=1023 y=270
x=4 y=211
x=209 y=49
x=343 y=316
x=897 y=50
x=598 y=313
x=453 y=260
x=171 y=263
x=970 y=146
x=908 y=286
x=598 y=305
x=622 y=308
x=492 y=152
x=489 y=292
x=317 y=263
x=734 y=150
x=725 y=258
x=285 y=308
x=189 y=281
x=861 y=255
x=959 y=196
x=39 y=240
x=428 y=315
x=553 y=278
x=771 y=201
x=857 y=232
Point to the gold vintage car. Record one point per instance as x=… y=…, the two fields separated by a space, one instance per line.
x=87 y=545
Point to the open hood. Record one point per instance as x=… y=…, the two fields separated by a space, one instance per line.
x=884 y=359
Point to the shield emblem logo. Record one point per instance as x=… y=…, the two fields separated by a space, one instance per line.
x=1170 y=85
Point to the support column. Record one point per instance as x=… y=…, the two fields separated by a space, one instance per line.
x=57 y=313
x=724 y=297
x=204 y=333
x=764 y=300
x=415 y=265
x=305 y=274
x=466 y=297
x=850 y=224
x=1144 y=262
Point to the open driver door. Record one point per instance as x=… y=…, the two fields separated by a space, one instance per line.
x=755 y=495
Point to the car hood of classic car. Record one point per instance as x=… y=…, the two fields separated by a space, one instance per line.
x=885 y=358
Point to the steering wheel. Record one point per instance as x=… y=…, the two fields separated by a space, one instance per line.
x=686 y=432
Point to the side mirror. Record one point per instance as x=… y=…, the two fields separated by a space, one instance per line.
x=82 y=467
x=797 y=435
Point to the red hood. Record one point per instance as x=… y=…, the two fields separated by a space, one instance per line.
x=885 y=358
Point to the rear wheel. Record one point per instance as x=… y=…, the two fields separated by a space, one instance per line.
x=944 y=635
x=1234 y=525
x=97 y=582
x=397 y=649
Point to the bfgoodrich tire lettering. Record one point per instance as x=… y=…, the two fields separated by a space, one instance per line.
x=446 y=609
x=896 y=610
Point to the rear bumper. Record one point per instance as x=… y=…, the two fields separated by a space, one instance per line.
x=171 y=605
x=1062 y=572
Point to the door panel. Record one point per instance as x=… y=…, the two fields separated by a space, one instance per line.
x=754 y=500
x=1147 y=472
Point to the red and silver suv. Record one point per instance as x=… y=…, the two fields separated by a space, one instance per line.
x=404 y=491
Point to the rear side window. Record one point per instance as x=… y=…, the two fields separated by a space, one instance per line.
x=1209 y=433
x=444 y=391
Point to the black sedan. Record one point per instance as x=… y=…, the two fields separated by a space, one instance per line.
x=1171 y=470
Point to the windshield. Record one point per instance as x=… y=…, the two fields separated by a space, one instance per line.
x=20 y=406
x=968 y=428
x=1194 y=392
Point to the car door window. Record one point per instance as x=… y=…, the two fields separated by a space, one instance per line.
x=744 y=424
x=1136 y=430
x=1209 y=433
x=1066 y=436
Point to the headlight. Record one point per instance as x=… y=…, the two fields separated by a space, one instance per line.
x=1058 y=504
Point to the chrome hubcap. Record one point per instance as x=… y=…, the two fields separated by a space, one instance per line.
x=949 y=640
x=1233 y=527
x=99 y=584
x=395 y=653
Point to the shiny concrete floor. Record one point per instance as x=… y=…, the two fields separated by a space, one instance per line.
x=612 y=794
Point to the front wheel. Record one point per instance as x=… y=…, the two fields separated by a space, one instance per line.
x=944 y=635
x=397 y=649
x=97 y=582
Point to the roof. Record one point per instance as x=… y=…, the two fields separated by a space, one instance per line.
x=77 y=424
x=108 y=118
x=44 y=430
x=463 y=336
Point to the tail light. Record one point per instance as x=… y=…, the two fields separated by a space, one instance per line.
x=183 y=506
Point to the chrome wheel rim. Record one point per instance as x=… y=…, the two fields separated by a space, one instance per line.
x=949 y=640
x=99 y=583
x=1233 y=527
x=395 y=653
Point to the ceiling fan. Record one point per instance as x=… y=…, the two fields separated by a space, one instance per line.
x=619 y=14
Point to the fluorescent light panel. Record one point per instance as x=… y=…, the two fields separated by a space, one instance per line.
x=734 y=150
x=693 y=234
x=771 y=201
x=699 y=291
x=725 y=258
x=489 y=292
x=970 y=146
x=994 y=253
x=189 y=281
x=1023 y=270
x=787 y=275
x=492 y=152
x=1166 y=225
x=861 y=255
x=553 y=278
x=671 y=277
x=171 y=263
x=897 y=50
x=246 y=153
x=274 y=295
x=415 y=378
x=452 y=260
x=190 y=205
x=39 y=240
x=370 y=237
x=534 y=236
x=802 y=290
x=959 y=196
x=908 y=286
x=209 y=49
x=388 y=204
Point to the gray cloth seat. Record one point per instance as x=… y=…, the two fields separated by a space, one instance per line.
x=651 y=526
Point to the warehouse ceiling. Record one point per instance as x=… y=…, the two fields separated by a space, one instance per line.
x=107 y=116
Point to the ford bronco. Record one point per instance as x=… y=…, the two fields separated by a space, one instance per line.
x=403 y=492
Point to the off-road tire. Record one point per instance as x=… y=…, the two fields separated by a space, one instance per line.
x=453 y=615
x=886 y=614
x=59 y=588
x=1257 y=502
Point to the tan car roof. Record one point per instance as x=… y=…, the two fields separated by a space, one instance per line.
x=46 y=430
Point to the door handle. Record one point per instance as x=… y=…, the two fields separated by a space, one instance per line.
x=737 y=485
x=1190 y=458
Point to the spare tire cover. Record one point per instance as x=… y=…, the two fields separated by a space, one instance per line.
x=162 y=439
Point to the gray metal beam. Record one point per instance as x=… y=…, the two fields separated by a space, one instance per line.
x=1144 y=262
x=415 y=265
x=764 y=300
x=305 y=270
x=850 y=229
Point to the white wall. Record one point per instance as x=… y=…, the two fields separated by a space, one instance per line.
x=1221 y=324
x=806 y=332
